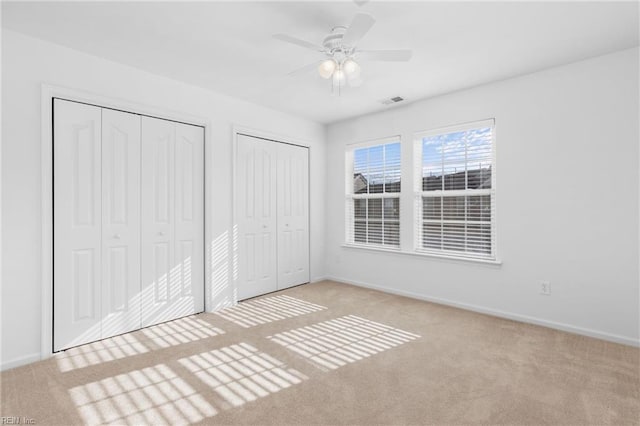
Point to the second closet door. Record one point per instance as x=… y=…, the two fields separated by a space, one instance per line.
x=293 y=215
x=256 y=216
x=172 y=220
x=272 y=213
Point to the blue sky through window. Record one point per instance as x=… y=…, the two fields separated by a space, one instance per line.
x=378 y=164
x=446 y=152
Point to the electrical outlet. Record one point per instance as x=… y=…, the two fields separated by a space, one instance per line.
x=545 y=288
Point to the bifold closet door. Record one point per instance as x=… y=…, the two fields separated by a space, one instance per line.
x=96 y=223
x=77 y=211
x=172 y=177
x=293 y=215
x=128 y=243
x=255 y=186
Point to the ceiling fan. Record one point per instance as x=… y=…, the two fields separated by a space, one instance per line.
x=341 y=52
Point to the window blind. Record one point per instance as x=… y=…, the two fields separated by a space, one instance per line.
x=455 y=191
x=372 y=213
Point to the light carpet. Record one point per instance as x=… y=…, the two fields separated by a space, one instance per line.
x=330 y=353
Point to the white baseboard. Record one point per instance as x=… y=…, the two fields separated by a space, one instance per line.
x=17 y=362
x=318 y=279
x=502 y=314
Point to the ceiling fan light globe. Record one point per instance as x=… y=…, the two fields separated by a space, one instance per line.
x=351 y=68
x=327 y=68
x=339 y=78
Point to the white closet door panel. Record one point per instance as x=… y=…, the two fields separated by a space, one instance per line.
x=120 y=222
x=188 y=290
x=157 y=193
x=77 y=224
x=172 y=177
x=256 y=216
x=293 y=215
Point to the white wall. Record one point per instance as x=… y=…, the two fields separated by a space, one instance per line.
x=26 y=64
x=568 y=188
x=567 y=199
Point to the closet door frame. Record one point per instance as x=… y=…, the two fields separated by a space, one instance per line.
x=274 y=138
x=48 y=94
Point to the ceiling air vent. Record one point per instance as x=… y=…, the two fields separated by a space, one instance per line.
x=393 y=100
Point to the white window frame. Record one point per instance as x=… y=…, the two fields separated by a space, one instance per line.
x=419 y=193
x=350 y=196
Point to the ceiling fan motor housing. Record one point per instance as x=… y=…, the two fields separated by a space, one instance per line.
x=333 y=42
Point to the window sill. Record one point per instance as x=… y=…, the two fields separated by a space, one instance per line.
x=489 y=262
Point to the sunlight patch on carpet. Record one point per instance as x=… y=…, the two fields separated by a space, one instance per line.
x=106 y=350
x=267 y=309
x=334 y=343
x=183 y=330
x=153 y=395
x=171 y=333
x=239 y=374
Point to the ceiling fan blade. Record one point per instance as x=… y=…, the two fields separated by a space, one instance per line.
x=298 y=42
x=360 y=25
x=305 y=69
x=400 y=55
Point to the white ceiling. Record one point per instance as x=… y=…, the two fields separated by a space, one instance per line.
x=227 y=46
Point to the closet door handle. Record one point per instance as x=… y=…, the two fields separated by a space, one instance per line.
x=161 y=233
x=116 y=236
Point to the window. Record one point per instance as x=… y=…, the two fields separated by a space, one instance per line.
x=373 y=194
x=455 y=191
